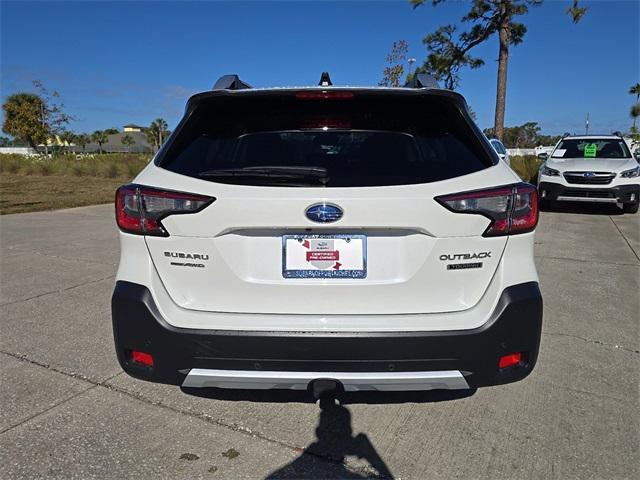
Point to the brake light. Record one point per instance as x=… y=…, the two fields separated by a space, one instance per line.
x=323 y=95
x=140 y=209
x=512 y=209
x=324 y=123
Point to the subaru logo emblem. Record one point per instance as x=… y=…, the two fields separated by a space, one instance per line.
x=323 y=213
x=588 y=174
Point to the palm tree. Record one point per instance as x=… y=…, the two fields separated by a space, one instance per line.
x=157 y=132
x=127 y=140
x=635 y=110
x=161 y=128
x=68 y=139
x=82 y=139
x=100 y=137
x=635 y=113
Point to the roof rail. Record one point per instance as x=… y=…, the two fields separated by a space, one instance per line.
x=230 y=82
x=422 y=80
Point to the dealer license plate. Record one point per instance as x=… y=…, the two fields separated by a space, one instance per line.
x=324 y=256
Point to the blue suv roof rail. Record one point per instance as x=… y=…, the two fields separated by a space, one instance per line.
x=422 y=80
x=230 y=82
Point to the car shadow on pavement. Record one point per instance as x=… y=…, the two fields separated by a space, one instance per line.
x=585 y=208
x=325 y=457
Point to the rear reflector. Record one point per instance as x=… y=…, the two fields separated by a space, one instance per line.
x=139 y=209
x=512 y=209
x=510 y=360
x=141 y=358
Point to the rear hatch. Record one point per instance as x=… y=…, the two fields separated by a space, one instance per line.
x=325 y=204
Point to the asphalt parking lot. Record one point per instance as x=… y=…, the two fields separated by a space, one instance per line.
x=68 y=411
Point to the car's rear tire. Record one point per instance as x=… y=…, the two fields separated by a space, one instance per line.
x=630 y=207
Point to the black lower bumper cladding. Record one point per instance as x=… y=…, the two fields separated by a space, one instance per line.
x=514 y=326
x=622 y=193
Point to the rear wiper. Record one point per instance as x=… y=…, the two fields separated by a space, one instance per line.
x=276 y=172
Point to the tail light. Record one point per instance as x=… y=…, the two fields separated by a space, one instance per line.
x=140 y=209
x=512 y=209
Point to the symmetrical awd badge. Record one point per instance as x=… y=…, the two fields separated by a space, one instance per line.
x=187 y=256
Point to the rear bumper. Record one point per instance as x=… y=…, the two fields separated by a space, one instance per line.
x=614 y=194
x=360 y=361
x=350 y=381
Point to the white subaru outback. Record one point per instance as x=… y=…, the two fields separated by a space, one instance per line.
x=592 y=168
x=369 y=238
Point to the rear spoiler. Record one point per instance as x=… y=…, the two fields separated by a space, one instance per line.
x=361 y=92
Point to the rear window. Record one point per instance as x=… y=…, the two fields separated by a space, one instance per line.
x=353 y=142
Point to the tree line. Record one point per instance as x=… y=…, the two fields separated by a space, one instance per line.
x=524 y=136
x=37 y=118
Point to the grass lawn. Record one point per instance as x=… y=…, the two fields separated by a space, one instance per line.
x=30 y=193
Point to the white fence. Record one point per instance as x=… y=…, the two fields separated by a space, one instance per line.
x=521 y=151
x=529 y=151
x=18 y=150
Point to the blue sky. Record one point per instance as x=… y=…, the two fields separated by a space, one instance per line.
x=121 y=62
